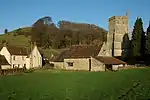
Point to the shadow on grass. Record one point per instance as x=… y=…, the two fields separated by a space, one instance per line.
x=129 y=91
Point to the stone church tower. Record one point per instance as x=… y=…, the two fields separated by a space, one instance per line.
x=118 y=27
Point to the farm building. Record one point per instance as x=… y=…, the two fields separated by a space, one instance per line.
x=85 y=57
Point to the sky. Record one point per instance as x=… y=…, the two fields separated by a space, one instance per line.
x=23 y=13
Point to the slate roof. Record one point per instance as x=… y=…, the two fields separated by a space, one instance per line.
x=17 y=50
x=3 y=60
x=79 y=51
x=109 y=60
x=61 y=57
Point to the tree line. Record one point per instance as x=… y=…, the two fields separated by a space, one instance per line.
x=48 y=35
x=139 y=45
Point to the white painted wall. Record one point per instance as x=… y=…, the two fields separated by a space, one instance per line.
x=28 y=65
x=6 y=54
x=5 y=67
x=19 y=61
x=35 y=58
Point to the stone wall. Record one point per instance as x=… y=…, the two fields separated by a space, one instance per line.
x=119 y=29
x=78 y=64
x=97 y=65
x=58 y=65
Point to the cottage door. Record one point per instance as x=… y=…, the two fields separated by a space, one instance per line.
x=89 y=64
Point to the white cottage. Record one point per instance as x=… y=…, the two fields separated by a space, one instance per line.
x=19 y=57
x=34 y=59
x=15 y=56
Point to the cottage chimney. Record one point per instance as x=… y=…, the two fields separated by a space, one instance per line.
x=34 y=44
x=4 y=44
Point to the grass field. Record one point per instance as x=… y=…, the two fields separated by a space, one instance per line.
x=51 y=85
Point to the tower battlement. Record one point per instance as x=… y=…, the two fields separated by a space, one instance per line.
x=118 y=27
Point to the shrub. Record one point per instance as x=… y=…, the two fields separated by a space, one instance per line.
x=29 y=71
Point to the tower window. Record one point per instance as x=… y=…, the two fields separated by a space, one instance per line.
x=122 y=22
x=117 y=22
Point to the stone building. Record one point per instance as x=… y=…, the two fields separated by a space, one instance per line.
x=98 y=58
x=118 y=27
x=85 y=58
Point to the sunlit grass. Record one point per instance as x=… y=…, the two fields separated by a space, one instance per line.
x=46 y=85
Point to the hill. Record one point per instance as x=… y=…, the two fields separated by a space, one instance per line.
x=24 y=41
x=51 y=38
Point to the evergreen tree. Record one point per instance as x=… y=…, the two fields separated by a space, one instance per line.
x=137 y=38
x=6 y=31
x=148 y=39
x=125 y=45
x=143 y=38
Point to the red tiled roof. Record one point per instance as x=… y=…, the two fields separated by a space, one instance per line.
x=109 y=60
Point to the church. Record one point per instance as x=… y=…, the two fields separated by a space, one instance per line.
x=118 y=28
x=98 y=58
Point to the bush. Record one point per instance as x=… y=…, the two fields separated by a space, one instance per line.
x=29 y=71
x=48 y=66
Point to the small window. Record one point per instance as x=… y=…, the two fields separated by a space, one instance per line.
x=13 y=65
x=70 y=64
x=18 y=65
x=13 y=57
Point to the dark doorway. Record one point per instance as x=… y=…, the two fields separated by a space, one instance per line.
x=109 y=67
x=89 y=64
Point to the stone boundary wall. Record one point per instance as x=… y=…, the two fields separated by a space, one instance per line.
x=131 y=67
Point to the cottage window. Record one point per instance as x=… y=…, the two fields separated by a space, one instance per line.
x=22 y=57
x=18 y=65
x=13 y=65
x=123 y=22
x=70 y=64
x=13 y=57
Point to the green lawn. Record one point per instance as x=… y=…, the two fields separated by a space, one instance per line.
x=51 y=85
